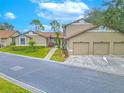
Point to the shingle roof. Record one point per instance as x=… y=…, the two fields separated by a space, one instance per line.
x=6 y=33
x=74 y=21
x=78 y=27
x=49 y=34
x=85 y=27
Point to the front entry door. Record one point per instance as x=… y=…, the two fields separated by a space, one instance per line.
x=22 y=41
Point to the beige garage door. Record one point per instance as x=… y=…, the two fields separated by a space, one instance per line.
x=118 y=48
x=101 y=48
x=80 y=48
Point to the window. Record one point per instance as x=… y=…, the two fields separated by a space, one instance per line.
x=102 y=29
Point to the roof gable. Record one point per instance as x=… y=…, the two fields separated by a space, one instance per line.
x=94 y=29
x=73 y=30
x=32 y=33
x=6 y=33
x=80 y=26
x=43 y=34
x=50 y=34
x=21 y=35
x=79 y=21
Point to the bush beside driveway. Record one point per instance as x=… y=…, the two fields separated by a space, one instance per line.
x=36 y=51
x=7 y=87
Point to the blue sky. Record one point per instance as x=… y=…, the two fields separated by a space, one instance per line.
x=21 y=12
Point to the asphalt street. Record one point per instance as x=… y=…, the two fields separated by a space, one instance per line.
x=52 y=77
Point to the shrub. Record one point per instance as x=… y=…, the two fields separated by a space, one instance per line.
x=51 y=44
x=13 y=44
x=12 y=47
x=31 y=43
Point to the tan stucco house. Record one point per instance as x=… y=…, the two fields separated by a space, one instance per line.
x=7 y=37
x=40 y=38
x=84 y=38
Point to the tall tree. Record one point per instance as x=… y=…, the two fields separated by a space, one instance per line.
x=38 y=25
x=112 y=16
x=56 y=27
x=6 y=26
x=96 y=17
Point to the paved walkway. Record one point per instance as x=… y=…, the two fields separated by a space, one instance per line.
x=52 y=77
x=52 y=51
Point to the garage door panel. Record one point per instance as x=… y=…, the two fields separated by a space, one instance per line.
x=81 y=48
x=118 y=48
x=101 y=48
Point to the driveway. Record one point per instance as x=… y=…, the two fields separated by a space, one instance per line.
x=57 y=78
x=108 y=64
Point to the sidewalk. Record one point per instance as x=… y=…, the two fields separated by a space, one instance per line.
x=49 y=55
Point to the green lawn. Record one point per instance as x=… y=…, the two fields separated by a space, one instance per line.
x=7 y=87
x=36 y=51
x=59 y=55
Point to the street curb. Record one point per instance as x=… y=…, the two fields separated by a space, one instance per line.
x=52 y=61
x=63 y=63
x=30 y=57
x=21 y=84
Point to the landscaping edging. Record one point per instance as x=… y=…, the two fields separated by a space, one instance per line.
x=21 y=84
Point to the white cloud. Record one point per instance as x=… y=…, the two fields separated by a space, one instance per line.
x=63 y=11
x=9 y=15
x=66 y=7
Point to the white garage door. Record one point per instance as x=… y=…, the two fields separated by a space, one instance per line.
x=118 y=48
x=101 y=48
x=81 y=48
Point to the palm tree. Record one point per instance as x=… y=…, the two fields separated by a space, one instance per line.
x=38 y=25
x=58 y=40
x=55 y=26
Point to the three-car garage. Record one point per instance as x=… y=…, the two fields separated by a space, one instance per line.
x=98 y=48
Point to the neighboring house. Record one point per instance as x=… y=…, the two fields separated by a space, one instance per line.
x=7 y=37
x=87 y=39
x=40 y=38
x=22 y=40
